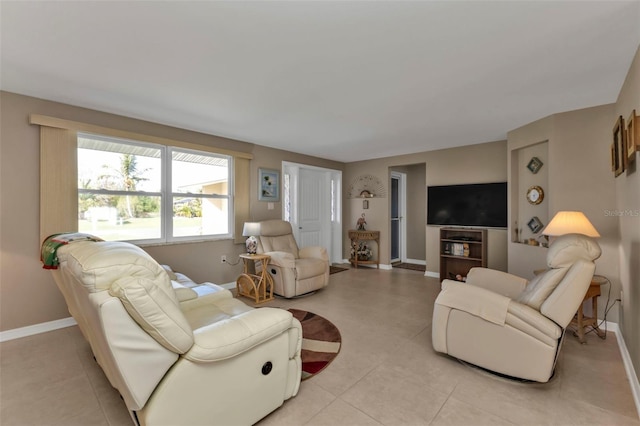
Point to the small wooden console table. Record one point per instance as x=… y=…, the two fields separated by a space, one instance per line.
x=252 y=285
x=357 y=236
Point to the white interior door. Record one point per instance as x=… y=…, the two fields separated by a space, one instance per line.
x=313 y=219
x=312 y=204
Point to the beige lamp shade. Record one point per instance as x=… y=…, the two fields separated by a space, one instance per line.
x=569 y=222
x=251 y=229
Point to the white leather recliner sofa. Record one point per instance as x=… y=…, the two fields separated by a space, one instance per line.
x=294 y=271
x=505 y=324
x=178 y=353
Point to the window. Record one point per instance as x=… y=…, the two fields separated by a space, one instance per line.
x=136 y=191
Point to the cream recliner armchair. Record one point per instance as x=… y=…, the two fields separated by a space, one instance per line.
x=178 y=355
x=294 y=271
x=500 y=322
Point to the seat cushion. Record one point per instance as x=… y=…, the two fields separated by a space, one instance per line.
x=310 y=267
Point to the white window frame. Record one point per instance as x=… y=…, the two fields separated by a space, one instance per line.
x=166 y=194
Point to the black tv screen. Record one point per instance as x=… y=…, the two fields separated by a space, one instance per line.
x=481 y=204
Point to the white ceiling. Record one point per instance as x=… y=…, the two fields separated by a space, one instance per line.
x=340 y=80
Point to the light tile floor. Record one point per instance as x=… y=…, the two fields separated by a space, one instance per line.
x=386 y=373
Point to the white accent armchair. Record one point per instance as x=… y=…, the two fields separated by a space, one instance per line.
x=178 y=353
x=294 y=271
x=505 y=324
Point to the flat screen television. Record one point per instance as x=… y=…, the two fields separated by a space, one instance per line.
x=480 y=204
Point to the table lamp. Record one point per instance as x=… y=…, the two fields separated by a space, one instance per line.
x=251 y=230
x=570 y=222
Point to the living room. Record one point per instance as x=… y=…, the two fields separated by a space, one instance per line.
x=579 y=178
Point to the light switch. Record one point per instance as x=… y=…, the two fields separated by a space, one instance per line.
x=269 y=206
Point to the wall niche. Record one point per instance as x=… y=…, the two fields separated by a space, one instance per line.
x=530 y=199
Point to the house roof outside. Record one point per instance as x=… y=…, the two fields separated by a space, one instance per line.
x=340 y=80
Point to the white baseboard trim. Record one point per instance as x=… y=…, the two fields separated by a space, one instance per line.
x=416 y=261
x=30 y=330
x=432 y=274
x=628 y=365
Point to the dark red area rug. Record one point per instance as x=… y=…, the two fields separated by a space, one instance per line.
x=321 y=342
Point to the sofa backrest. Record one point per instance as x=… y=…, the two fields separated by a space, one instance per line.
x=134 y=359
x=277 y=235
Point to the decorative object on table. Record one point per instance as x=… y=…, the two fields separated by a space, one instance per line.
x=365 y=204
x=361 y=251
x=535 y=195
x=535 y=225
x=633 y=137
x=618 y=154
x=268 y=185
x=535 y=164
x=366 y=186
x=251 y=230
x=321 y=342
x=570 y=222
x=361 y=223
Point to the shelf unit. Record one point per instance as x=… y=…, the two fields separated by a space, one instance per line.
x=474 y=253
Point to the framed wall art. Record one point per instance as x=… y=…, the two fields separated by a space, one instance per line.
x=268 y=185
x=633 y=137
x=534 y=165
x=618 y=154
x=535 y=224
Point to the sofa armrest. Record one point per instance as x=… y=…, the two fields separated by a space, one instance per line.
x=476 y=301
x=282 y=259
x=532 y=322
x=314 y=252
x=497 y=281
x=227 y=338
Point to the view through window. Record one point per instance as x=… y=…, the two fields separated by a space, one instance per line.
x=136 y=191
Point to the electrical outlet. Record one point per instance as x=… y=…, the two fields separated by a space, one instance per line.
x=223 y=259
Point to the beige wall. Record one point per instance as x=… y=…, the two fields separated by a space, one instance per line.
x=28 y=293
x=480 y=163
x=627 y=190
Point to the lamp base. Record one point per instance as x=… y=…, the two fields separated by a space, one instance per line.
x=252 y=245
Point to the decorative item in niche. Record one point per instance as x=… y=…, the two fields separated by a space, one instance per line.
x=268 y=185
x=633 y=137
x=535 y=195
x=366 y=186
x=361 y=223
x=618 y=155
x=535 y=164
x=535 y=224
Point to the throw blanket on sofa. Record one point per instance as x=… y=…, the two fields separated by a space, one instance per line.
x=48 y=253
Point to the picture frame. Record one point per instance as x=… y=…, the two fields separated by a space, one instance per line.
x=632 y=137
x=535 y=224
x=618 y=153
x=535 y=164
x=268 y=185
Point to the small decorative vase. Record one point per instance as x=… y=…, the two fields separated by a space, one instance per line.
x=252 y=245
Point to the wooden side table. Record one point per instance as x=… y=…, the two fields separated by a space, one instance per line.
x=580 y=321
x=357 y=236
x=255 y=286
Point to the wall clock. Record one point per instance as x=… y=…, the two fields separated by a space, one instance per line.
x=535 y=195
